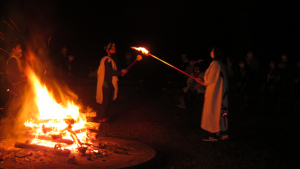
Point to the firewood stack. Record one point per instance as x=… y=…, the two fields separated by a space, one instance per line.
x=48 y=134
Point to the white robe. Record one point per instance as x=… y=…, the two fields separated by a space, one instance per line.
x=215 y=97
x=100 y=80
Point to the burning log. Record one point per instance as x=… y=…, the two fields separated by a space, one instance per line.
x=56 y=136
x=80 y=130
x=69 y=121
x=46 y=129
x=92 y=125
x=82 y=149
x=53 y=138
x=55 y=150
x=75 y=138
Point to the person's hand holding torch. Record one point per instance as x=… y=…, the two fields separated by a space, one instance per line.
x=124 y=71
x=200 y=80
x=138 y=58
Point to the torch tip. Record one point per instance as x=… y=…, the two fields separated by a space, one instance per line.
x=143 y=50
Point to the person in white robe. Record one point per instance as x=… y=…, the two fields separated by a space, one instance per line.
x=215 y=108
x=107 y=86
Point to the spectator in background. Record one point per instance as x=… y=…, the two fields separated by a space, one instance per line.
x=230 y=70
x=296 y=86
x=241 y=83
x=63 y=54
x=61 y=61
x=284 y=67
x=16 y=78
x=71 y=69
x=70 y=66
x=128 y=59
x=242 y=77
x=270 y=80
x=253 y=64
x=185 y=66
x=185 y=61
x=190 y=67
x=14 y=70
x=193 y=88
x=269 y=87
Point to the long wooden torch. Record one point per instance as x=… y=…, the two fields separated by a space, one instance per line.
x=146 y=52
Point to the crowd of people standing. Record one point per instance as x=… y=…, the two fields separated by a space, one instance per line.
x=274 y=79
x=278 y=77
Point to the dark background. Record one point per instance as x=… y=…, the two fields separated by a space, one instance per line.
x=263 y=134
x=166 y=28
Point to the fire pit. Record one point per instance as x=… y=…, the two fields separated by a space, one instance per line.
x=106 y=152
x=51 y=130
x=58 y=133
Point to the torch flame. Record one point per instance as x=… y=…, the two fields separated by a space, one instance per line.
x=143 y=50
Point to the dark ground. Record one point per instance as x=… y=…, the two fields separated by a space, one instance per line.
x=261 y=136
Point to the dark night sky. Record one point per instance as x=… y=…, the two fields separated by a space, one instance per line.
x=166 y=28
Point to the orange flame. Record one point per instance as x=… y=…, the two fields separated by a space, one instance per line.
x=52 y=116
x=143 y=50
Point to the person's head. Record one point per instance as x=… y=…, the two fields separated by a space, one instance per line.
x=128 y=56
x=249 y=54
x=216 y=53
x=184 y=58
x=16 y=49
x=71 y=57
x=229 y=61
x=272 y=64
x=212 y=53
x=64 y=50
x=298 y=64
x=110 y=49
x=197 y=68
x=242 y=63
x=283 y=57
